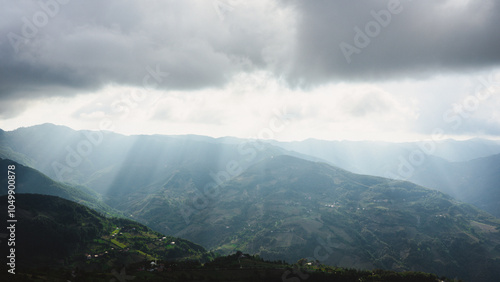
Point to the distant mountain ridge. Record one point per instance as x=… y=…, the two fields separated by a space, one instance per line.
x=448 y=149
x=94 y=158
x=476 y=181
x=450 y=166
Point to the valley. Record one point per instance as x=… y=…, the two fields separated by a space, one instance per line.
x=257 y=198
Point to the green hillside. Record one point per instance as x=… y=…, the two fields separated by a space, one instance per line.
x=58 y=240
x=466 y=170
x=53 y=233
x=288 y=208
x=241 y=267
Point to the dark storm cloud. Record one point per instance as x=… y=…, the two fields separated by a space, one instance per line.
x=65 y=47
x=386 y=39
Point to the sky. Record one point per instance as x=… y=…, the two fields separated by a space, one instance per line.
x=287 y=70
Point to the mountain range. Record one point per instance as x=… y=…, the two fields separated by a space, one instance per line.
x=60 y=240
x=466 y=170
x=263 y=198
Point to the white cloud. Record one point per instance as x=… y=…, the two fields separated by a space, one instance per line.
x=252 y=104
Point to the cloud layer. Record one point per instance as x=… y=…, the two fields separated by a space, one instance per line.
x=61 y=48
x=386 y=39
x=66 y=48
